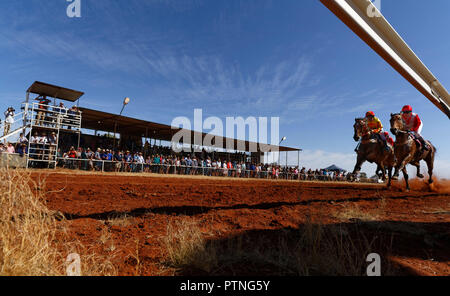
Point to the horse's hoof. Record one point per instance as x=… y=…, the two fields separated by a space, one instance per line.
x=420 y=176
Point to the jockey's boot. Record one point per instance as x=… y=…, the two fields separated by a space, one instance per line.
x=425 y=146
x=386 y=147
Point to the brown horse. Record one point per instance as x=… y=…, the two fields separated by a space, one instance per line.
x=407 y=152
x=372 y=149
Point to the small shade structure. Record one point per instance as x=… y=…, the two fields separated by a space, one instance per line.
x=54 y=91
x=334 y=168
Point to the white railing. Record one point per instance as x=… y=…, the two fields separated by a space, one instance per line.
x=133 y=167
x=54 y=117
x=9 y=129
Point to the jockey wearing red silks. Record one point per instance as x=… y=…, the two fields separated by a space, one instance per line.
x=413 y=124
x=412 y=120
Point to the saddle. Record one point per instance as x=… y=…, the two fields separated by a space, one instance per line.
x=421 y=146
x=416 y=140
x=373 y=138
x=389 y=141
x=376 y=138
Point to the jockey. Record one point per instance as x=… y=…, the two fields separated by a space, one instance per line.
x=414 y=125
x=376 y=127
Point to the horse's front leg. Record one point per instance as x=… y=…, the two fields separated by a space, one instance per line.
x=383 y=172
x=377 y=171
x=396 y=173
x=405 y=175
x=359 y=161
x=389 y=176
x=401 y=164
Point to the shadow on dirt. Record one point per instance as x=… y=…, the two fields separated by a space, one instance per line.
x=196 y=210
x=313 y=249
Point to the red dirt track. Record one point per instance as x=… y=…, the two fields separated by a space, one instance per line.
x=420 y=219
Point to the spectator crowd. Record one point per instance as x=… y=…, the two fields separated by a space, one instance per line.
x=43 y=152
x=162 y=160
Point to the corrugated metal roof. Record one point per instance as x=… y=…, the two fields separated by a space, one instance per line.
x=102 y=121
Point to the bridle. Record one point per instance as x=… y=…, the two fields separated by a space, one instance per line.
x=397 y=131
x=361 y=128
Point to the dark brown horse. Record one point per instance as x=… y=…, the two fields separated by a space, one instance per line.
x=372 y=149
x=407 y=152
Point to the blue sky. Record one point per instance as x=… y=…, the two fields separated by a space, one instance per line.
x=288 y=58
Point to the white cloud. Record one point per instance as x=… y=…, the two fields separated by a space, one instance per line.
x=317 y=159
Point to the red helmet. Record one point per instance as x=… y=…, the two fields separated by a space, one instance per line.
x=370 y=113
x=407 y=108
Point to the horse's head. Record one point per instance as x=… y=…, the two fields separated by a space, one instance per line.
x=397 y=123
x=360 y=128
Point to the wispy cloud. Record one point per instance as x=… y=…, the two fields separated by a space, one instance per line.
x=290 y=88
x=184 y=78
x=317 y=159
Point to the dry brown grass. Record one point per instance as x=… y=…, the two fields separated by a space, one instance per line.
x=121 y=220
x=352 y=211
x=33 y=239
x=187 y=245
x=313 y=249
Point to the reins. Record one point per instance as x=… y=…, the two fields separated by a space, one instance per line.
x=400 y=131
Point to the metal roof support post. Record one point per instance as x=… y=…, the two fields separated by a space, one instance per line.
x=31 y=131
x=114 y=141
x=146 y=140
x=286 y=169
x=25 y=111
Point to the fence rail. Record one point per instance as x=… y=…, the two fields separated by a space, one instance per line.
x=171 y=169
x=7 y=128
x=54 y=117
x=12 y=160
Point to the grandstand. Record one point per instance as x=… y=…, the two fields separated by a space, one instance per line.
x=72 y=127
